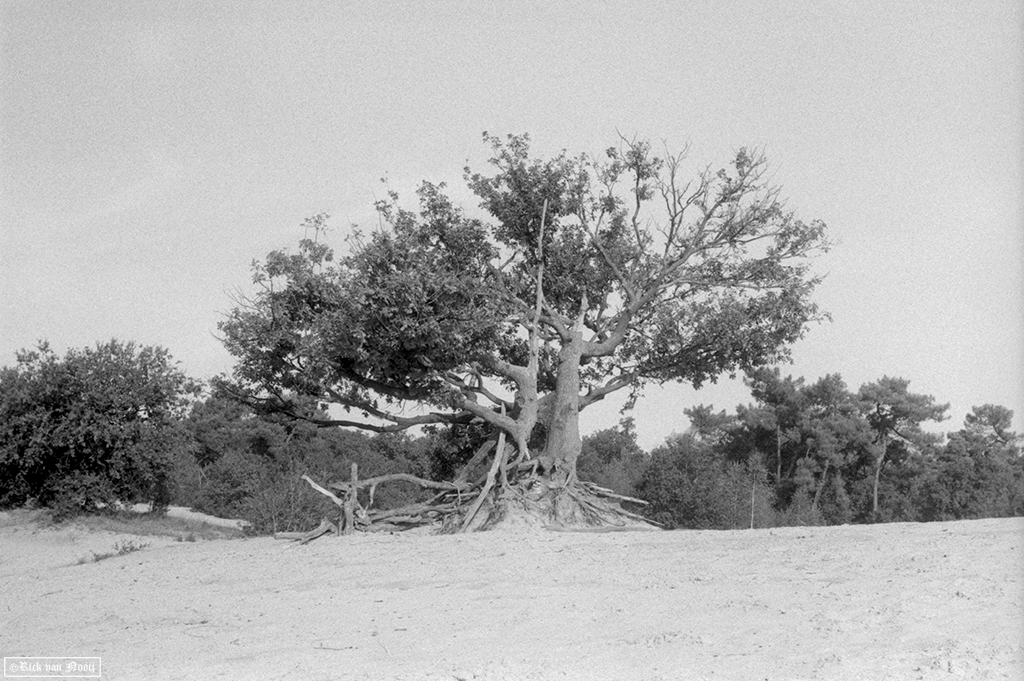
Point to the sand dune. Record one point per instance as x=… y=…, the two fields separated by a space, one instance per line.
x=904 y=601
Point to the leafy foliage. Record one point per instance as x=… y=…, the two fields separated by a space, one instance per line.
x=834 y=456
x=690 y=484
x=613 y=459
x=98 y=426
x=979 y=473
x=594 y=275
x=248 y=465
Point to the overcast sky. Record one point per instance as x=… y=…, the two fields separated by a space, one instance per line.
x=149 y=151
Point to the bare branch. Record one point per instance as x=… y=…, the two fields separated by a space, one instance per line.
x=346 y=486
x=326 y=492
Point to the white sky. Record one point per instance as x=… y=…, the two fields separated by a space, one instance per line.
x=149 y=151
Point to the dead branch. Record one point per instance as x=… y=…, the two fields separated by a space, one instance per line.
x=477 y=458
x=638 y=517
x=290 y=535
x=604 y=492
x=407 y=477
x=410 y=510
x=325 y=527
x=499 y=457
x=333 y=497
x=306 y=537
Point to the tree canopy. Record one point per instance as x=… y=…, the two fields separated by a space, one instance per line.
x=589 y=275
x=96 y=426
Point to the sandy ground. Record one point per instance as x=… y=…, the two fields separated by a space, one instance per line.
x=905 y=601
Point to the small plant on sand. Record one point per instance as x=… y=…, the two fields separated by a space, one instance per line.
x=129 y=546
x=121 y=548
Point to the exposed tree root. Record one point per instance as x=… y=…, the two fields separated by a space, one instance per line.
x=498 y=462
x=509 y=495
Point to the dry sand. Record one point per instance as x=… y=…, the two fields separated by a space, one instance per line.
x=904 y=601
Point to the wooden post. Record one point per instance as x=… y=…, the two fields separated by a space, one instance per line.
x=350 y=502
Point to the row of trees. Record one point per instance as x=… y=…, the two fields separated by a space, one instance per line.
x=119 y=423
x=818 y=453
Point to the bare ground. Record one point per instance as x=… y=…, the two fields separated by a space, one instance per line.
x=904 y=601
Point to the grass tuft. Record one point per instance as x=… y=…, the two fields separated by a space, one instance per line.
x=121 y=548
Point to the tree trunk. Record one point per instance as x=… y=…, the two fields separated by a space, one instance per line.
x=878 y=474
x=563 y=442
x=821 y=486
x=778 y=453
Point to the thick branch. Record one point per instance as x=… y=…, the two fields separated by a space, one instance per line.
x=600 y=392
x=398 y=392
x=492 y=417
x=279 y=404
x=518 y=373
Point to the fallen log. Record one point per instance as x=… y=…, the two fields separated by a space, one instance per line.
x=306 y=537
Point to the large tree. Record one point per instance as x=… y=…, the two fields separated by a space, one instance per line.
x=895 y=415
x=588 y=276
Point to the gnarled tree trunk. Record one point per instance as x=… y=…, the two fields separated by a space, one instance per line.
x=563 y=445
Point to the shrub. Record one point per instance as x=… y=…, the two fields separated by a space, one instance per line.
x=689 y=485
x=98 y=426
x=250 y=466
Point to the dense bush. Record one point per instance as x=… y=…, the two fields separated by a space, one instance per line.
x=612 y=458
x=250 y=466
x=690 y=484
x=96 y=427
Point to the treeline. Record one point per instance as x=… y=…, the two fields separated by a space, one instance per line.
x=819 y=453
x=120 y=423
